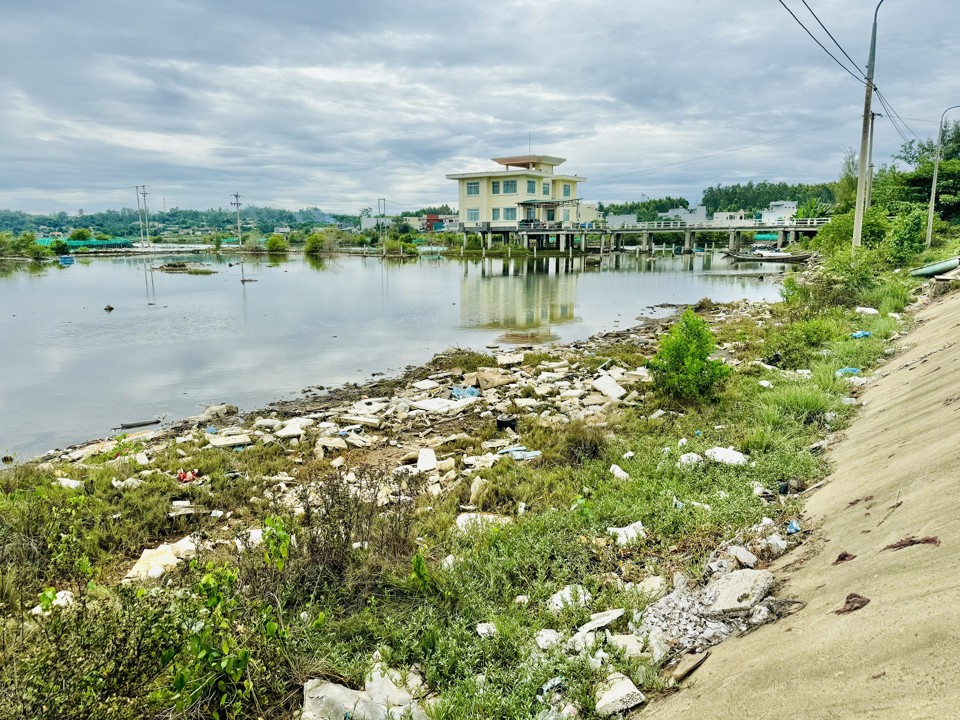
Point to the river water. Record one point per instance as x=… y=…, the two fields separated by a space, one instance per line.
x=70 y=371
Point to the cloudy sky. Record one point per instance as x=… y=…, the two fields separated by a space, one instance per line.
x=335 y=104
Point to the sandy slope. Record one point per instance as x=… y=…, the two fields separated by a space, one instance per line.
x=898 y=657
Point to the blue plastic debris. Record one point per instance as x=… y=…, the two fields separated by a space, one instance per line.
x=860 y=334
x=847 y=371
x=211 y=430
x=697 y=433
x=793 y=527
x=464 y=392
x=520 y=452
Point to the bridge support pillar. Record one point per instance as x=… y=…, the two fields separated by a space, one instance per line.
x=781 y=238
x=689 y=238
x=563 y=242
x=791 y=237
x=646 y=242
x=464 y=246
x=734 y=243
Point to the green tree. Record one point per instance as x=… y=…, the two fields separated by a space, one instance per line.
x=918 y=152
x=80 y=234
x=682 y=368
x=845 y=189
x=907 y=236
x=59 y=247
x=276 y=244
x=838 y=233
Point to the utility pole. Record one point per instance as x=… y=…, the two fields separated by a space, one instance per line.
x=381 y=214
x=236 y=203
x=865 y=136
x=936 y=168
x=136 y=189
x=873 y=117
x=146 y=213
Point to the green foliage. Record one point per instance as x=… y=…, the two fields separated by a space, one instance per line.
x=753 y=197
x=682 y=368
x=794 y=345
x=845 y=189
x=59 y=247
x=645 y=210
x=838 y=233
x=398 y=247
x=276 y=542
x=80 y=234
x=907 y=236
x=276 y=244
x=918 y=152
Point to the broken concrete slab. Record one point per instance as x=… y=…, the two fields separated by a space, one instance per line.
x=426 y=460
x=736 y=592
x=631 y=645
x=608 y=387
x=726 y=456
x=617 y=694
x=601 y=620
x=154 y=562
x=365 y=420
x=628 y=533
x=510 y=359
x=426 y=384
x=743 y=556
x=547 y=638
x=569 y=596
x=229 y=441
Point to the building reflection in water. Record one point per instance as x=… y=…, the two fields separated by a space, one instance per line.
x=523 y=297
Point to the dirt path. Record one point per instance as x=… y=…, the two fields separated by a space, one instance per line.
x=897 y=475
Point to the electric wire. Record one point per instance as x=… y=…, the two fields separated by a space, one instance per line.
x=858 y=78
x=829 y=34
x=890 y=116
x=890 y=108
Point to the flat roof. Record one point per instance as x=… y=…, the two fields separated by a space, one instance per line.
x=527 y=160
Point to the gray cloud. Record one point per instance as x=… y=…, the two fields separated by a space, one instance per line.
x=298 y=104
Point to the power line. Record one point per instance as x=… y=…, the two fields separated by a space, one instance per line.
x=852 y=61
x=891 y=117
x=890 y=108
x=858 y=78
x=649 y=170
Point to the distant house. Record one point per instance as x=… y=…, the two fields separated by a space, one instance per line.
x=373 y=223
x=686 y=215
x=728 y=218
x=779 y=211
x=619 y=221
x=526 y=191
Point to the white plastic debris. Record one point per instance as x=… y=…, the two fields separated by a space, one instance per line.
x=618 y=472
x=690 y=458
x=628 y=533
x=727 y=456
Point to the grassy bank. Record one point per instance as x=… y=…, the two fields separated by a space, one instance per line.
x=236 y=631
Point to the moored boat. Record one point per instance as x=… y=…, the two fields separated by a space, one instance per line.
x=770 y=256
x=936 y=268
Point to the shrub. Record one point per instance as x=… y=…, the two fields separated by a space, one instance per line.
x=276 y=244
x=682 y=368
x=906 y=237
x=838 y=233
x=59 y=247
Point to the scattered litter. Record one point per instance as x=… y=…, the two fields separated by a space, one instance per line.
x=486 y=630
x=860 y=334
x=211 y=430
x=727 y=456
x=793 y=527
x=464 y=392
x=690 y=458
x=628 y=533
x=867 y=311
x=519 y=452
x=847 y=371
x=765 y=384
x=911 y=541
x=853 y=603
x=69 y=483
x=185 y=476
x=627 y=455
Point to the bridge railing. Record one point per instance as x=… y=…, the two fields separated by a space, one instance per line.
x=720 y=225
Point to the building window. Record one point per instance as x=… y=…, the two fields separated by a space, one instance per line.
x=546 y=189
x=496 y=211
x=473 y=214
x=531 y=187
x=509 y=187
x=496 y=188
x=551 y=215
x=566 y=190
x=473 y=188
x=566 y=215
x=510 y=213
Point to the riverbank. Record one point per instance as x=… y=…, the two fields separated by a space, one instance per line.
x=490 y=524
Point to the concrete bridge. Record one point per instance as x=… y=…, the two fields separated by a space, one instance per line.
x=564 y=236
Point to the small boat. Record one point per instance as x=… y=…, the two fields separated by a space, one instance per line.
x=65 y=260
x=770 y=256
x=936 y=268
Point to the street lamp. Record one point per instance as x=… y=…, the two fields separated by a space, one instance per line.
x=936 y=167
x=865 y=136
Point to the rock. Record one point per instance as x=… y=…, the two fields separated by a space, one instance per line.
x=216 y=411
x=774 y=546
x=608 y=386
x=331 y=443
x=618 y=472
x=219 y=441
x=631 y=645
x=547 y=638
x=426 y=385
x=601 y=620
x=521 y=600
x=141 y=458
x=690 y=458
x=742 y=555
x=510 y=359
x=365 y=420
x=270 y=424
x=476 y=490
x=659 y=643
x=325 y=700
x=654 y=587
x=569 y=596
x=64 y=598
x=867 y=311
x=69 y=483
x=580 y=642
x=475 y=521
x=545 y=390
x=338 y=462
x=765 y=384
x=128 y=484
x=727 y=456
x=688 y=663
x=617 y=694
x=426 y=460
x=628 y=533
x=656 y=415
x=736 y=592
x=486 y=630
x=489 y=378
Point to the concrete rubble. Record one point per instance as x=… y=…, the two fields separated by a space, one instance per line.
x=386 y=694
